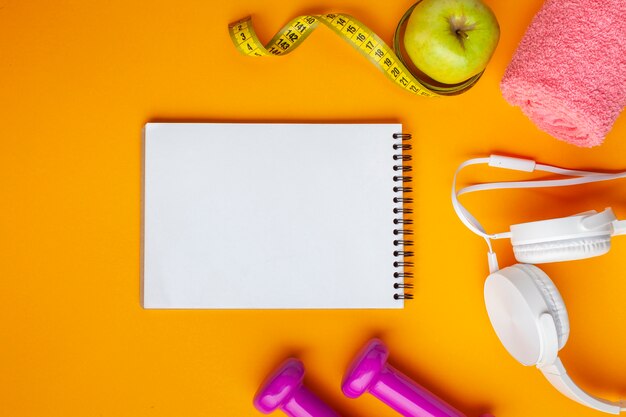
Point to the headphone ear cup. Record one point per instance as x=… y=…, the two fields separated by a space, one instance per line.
x=516 y=298
x=562 y=250
x=552 y=297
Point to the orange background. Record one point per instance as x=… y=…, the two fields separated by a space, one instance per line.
x=77 y=82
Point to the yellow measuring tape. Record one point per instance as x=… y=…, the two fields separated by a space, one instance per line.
x=356 y=34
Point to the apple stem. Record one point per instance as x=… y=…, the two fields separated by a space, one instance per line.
x=462 y=33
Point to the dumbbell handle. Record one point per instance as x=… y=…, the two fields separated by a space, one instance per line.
x=306 y=404
x=409 y=398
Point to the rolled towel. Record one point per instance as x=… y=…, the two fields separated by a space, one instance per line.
x=568 y=74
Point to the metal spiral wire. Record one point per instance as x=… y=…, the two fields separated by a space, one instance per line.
x=401 y=232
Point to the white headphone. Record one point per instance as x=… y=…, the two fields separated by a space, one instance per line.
x=523 y=304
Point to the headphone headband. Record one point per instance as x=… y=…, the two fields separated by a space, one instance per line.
x=560 y=379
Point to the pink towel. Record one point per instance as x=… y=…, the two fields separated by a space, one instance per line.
x=569 y=72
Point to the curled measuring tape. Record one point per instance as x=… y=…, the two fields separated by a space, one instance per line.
x=388 y=60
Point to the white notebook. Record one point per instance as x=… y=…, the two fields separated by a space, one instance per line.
x=259 y=216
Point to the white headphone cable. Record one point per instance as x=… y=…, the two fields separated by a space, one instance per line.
x=526 y=165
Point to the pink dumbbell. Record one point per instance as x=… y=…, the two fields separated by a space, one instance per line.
x=370 y=372
x=284 y=390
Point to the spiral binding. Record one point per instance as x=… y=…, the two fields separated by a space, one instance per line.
x=401 y=232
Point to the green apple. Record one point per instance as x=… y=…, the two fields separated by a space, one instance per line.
x=451 y=40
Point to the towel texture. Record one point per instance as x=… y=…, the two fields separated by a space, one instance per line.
x=568 y=74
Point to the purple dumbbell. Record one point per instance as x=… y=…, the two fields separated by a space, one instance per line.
x=284 y=390
x=370 y=373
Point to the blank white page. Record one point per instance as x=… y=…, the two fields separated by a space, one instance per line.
x=269 y=216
